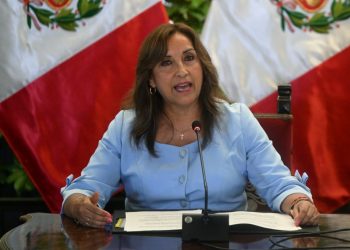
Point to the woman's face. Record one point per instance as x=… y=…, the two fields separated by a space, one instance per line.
x=178 y=76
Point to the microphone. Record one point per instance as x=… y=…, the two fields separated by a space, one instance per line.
x=205 y=226
x=196 y=126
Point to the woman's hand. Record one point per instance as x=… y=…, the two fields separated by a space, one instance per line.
x=84 y=210
x=302 y=209
x=305 y=213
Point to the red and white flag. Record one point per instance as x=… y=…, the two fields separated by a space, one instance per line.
x=64 y=68
x=258 y=45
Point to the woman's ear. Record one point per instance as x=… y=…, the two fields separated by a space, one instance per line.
x=152 y=83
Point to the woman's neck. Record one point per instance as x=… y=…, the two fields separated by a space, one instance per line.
x=175 y=126
x=180 y=115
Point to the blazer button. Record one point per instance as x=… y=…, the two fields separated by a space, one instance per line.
x=182 y=179
x=183 y=153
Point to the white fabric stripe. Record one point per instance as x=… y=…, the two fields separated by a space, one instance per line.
x=25 y=53
x=253 y=54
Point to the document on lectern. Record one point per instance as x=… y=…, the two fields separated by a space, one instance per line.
x=155 y=220
x=172 y=220
x=274 y=221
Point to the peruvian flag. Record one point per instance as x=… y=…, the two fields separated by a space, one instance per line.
x=258 y=45
x=64 y=68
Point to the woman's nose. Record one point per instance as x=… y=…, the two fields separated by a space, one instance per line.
x=181 y=70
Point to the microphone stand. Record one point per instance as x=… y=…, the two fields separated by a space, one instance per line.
x=205 y=226
x=205 y=212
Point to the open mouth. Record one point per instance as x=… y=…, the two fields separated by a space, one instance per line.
x=183 y=87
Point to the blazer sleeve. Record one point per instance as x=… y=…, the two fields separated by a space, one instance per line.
x=265 y=169
x=102 y=173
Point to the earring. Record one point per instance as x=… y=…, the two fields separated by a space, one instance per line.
x=152 y=90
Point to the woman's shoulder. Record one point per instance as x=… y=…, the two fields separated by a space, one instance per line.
x=234 y=108
x=123 y=119
x=125 y=115
x=235 y=114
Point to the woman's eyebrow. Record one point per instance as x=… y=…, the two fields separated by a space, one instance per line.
x=185 y=51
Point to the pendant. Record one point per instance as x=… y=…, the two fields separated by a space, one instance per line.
x=182 y=136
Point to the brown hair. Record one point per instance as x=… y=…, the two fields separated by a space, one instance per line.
x=148 y=108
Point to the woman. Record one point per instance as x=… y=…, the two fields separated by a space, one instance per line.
x=151 y=150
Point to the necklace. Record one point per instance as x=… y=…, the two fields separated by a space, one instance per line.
x=182 y=132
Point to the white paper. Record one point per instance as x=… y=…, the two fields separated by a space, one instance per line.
x=155 y=220
x=274 y=221
x=172 y=220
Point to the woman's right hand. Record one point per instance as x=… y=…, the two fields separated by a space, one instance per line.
x=84 y=210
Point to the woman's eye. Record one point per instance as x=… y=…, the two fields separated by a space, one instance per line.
x=189 y=57
x=165 y=63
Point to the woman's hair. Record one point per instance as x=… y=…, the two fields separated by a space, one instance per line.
x=149 y=107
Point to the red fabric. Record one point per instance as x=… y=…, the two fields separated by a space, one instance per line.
x=321 y=135
x=54 y=124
